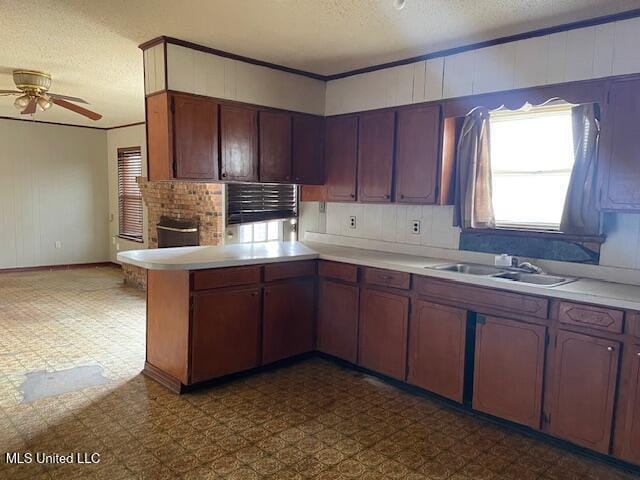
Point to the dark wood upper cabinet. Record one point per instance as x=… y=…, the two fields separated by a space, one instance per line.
x=338 y=320
x=239 y=143
x=226 y=333
x=620 y=148
x=341 y=156
x=417 y=155
x=508 y=369
x=437 y=337
x=583 y=386
x=288 y=326
x=308 y=150
x=376 y=134
x=275 y=146
x=630 y=427
x=383 y=332
x=195 y=137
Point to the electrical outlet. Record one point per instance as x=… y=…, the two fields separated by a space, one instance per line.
x=322 y=207
x=352 y=221
x=415 y=227
x=58 y=244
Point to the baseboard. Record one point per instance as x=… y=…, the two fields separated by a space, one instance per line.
x=163 y=378
x=69 y=266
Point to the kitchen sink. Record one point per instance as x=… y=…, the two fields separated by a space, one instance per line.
x=470 y=268
x=542 y=279
x=535 y=278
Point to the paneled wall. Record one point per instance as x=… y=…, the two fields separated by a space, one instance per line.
x=53 y=188
x=592 y=52
x=192 y=71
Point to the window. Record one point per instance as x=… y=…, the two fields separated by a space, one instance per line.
x=129 y=196
x=250 y=202
x=261 y=232
x=532 y=155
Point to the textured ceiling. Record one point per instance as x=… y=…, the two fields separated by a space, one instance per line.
x=90 y=46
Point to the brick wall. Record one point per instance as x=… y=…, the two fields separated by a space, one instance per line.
x=185 y=200
x=179 y=200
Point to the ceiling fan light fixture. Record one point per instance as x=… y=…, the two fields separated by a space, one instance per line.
x=21 y=102
x=32 y=80
x=44 y=103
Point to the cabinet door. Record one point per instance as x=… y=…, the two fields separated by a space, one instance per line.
x=620 y=148
x=342 y=158
x=437 y=336
x=338 y=320
x=226 y=333
x=583 y=388
x=308 y=150
x=287 y=328
x=508 y=369
x=195 y=137
x=383 y=332
x=417 y=155
x=239 y=137
x=631 y=427
x=275 y=147
x=376 y=134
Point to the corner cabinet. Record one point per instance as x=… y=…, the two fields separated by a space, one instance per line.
x=182 y=134
x=341 y=156
x=620 y=148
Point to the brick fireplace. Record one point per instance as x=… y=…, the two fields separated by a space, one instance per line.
x=198 y=201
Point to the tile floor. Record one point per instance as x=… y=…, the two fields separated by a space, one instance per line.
x=309 y=420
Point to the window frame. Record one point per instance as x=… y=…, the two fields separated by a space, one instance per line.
x=124 y=154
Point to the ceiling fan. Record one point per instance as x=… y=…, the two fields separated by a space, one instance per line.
x=33 y=91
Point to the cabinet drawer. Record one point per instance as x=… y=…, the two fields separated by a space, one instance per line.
x=280 y=271
x=387 y=278
x=226 y=277
x=339 y=271
x=590 y=316
x=494 y=300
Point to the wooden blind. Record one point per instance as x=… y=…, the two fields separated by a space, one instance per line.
x=129 y=196
x=251 y=202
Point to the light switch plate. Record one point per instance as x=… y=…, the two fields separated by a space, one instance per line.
x=352 y=221
x=415 y=227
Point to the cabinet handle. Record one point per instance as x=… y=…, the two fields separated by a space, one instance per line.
x=254 y=294
x=609 y=349
x=385 y=277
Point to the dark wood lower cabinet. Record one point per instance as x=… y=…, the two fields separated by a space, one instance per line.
x=226 y=333
x=508 y=369
x=630 y=444
x=437 y=336
x=583 y=385
x=338 y=320
x=288 y=319
x=383 y=332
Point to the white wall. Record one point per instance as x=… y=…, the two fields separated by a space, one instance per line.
x=53 y=188
x=592 y=52
x=192 y=71
x=134 y=136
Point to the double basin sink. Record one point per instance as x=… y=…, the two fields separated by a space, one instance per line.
x=513 y=275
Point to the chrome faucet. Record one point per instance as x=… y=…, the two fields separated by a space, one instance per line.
x=527 y=267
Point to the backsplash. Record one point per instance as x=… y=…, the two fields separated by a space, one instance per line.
x=392 y=224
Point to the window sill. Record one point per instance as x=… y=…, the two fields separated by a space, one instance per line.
x=538 y=233
x=131 y=239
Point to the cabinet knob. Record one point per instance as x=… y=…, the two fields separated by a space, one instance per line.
x=401 y=196
x=287 y=177
x=297 y=179
x=224 y=175
x=352 y=195
x=609 y=349
x=639 y=354
x=387 y=196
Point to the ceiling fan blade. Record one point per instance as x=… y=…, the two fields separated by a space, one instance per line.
x=75 y=108
x=30 y=108
x=64 y=97
x=9 y=92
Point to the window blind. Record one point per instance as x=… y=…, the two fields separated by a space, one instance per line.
x=129 y=196
x=249 y=202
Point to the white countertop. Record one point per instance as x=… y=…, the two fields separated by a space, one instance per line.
x=196 y=258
